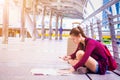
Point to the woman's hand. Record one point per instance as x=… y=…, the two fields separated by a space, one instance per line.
x=68 y=71
x=66 y=58
x=71 y=70
x=72 y=62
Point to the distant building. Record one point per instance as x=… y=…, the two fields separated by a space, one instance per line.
x=118 y=11
x=115 y=9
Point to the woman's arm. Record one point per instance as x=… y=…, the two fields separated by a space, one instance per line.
x=90 y=46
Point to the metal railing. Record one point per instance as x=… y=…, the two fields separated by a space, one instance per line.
x=110 y=23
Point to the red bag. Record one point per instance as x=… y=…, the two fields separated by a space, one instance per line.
x=112 y=65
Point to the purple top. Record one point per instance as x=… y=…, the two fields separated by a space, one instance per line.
x=94 y=49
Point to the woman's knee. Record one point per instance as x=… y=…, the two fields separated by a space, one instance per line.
x=79 y=54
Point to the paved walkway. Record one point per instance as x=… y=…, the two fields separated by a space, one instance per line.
x=18 y=58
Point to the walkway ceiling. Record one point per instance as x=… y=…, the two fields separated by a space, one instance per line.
x=65 y=8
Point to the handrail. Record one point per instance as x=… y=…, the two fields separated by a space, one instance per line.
x=100 y=9
x=115 y=16
x=116 y=22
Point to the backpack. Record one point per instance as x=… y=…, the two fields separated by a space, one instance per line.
x=112 y=65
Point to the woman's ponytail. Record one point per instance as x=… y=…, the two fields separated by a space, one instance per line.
x=81 y=31
x=76 y=31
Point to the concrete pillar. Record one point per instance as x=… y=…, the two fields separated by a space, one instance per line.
x=99 y=29
x=5 y=22
x=43 y=23
x=50 y=26
x=71 y=46
x=113 y=37
x=56 y=30
x=92 y=31
x=87 y=31
x=34 y=21
x=22 y=32
x=61 y=29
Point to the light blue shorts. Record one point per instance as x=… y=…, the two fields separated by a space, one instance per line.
x=97 y=68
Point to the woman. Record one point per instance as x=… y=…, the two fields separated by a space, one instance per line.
x=89 y=53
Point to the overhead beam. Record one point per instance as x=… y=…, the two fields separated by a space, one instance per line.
x=76 y=2
x=76 y=7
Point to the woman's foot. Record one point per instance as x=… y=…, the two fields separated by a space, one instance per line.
x=82 y=70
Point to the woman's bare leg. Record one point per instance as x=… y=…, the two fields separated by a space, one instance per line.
x=91 y=63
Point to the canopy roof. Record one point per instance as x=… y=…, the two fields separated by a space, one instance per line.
x=66 y=8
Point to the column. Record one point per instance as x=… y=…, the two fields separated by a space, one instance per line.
x=60 y=30
x=56 y=30
x=92 y=31
x=87 y=31
x=22 y=31
x=113 y=37
x=99 y=29
x=43 y=23
x=34 y=20
x=50 y=26
x=5 y=22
